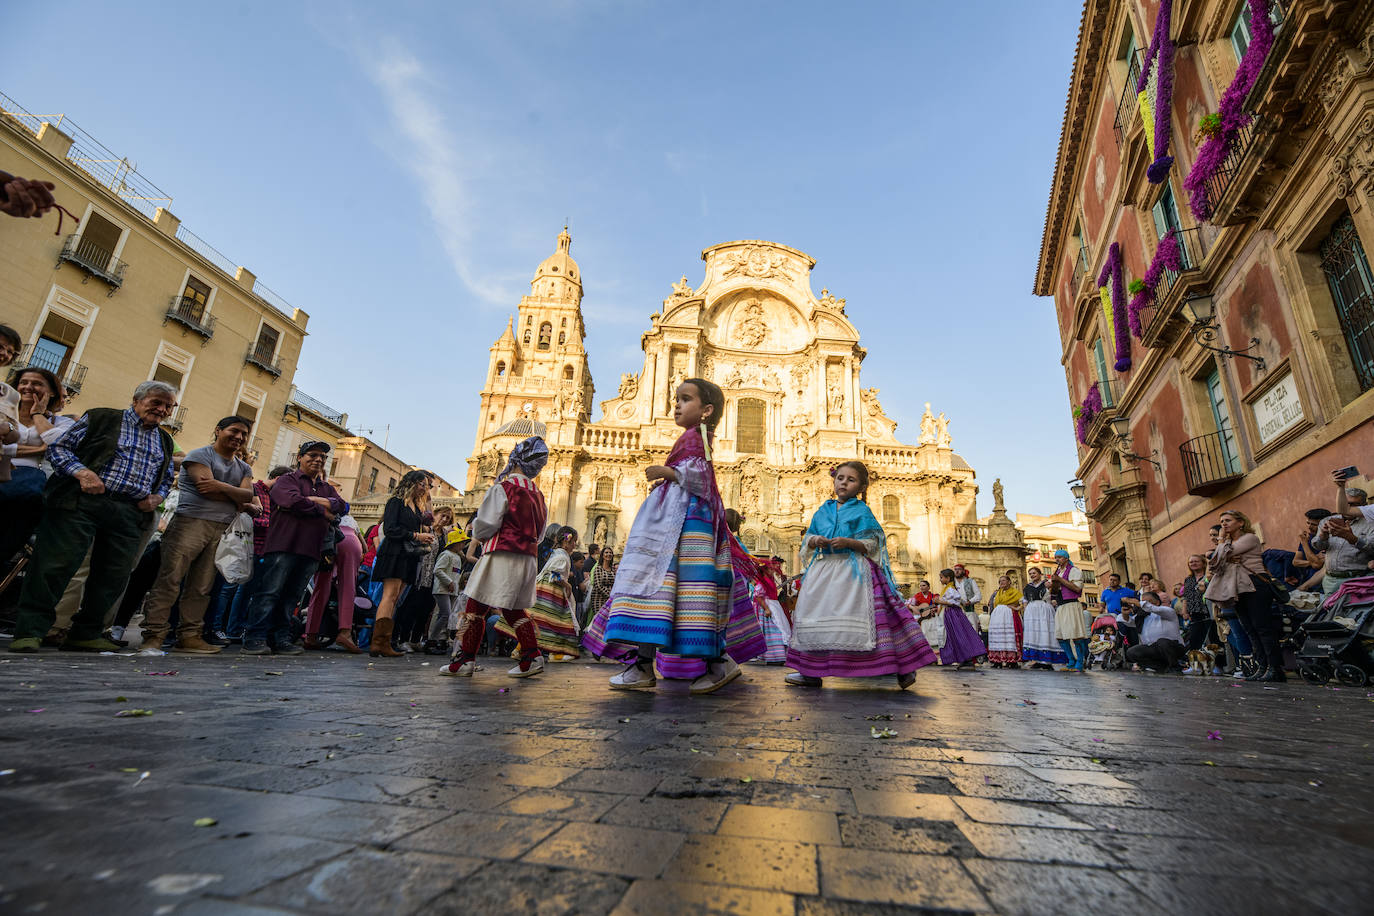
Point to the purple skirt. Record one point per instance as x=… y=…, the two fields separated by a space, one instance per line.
x=744 y=639
x=901 y=647
x=962 y=642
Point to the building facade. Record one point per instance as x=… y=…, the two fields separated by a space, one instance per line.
x=307 y=419
x=1256 y=244
x=1044 y=534
x=128 y=294
x=789 y=363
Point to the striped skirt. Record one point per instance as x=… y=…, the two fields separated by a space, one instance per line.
x=901 y=647
x=552 y=613
x=688 y=613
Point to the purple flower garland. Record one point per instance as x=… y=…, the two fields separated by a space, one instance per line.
x=1233 y=115
x=1161 y=53
x=1113 y=270
x=1167 y=255
x=1084 y=415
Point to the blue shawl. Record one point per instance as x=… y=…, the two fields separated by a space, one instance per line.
x=850 y=519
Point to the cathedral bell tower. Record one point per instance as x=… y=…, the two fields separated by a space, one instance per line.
x=538 y=367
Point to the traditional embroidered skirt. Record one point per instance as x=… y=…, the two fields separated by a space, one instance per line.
x=901 y=647
x=552 y=613
x=962 y=642
x=1004 y=637
x=1039 y=643
x=773 y=620
x=689 y=612
x=1068 y=621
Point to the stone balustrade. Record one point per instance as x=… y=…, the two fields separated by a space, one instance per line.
x=610 y=439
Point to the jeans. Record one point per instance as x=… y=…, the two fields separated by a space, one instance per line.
x=1235 y=636
x=217 y=618
x=238 y=611
x=284 y=577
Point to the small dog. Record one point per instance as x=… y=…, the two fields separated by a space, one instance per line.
x=1204 y=659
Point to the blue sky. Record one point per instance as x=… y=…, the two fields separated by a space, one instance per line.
x=399 y=172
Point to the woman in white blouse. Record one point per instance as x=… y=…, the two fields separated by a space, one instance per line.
x=21 y=498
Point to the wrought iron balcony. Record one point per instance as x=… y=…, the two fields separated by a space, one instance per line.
x=1222 y=179
x=264 y=359
x=176 y=421
x=189 y=312
x=1174 y=285
x=94 y=259
x=1211 y=463
x=1128 y=108
x=72 y=376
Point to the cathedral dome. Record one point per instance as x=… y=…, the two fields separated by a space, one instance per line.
x=560 y=264
x=522 y=427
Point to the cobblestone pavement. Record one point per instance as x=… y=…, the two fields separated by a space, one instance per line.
x=341 y=786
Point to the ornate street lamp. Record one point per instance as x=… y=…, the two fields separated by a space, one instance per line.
x=1079 y=491
x=1201 y=312
x=1121 y=428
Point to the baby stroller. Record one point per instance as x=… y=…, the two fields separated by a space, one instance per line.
x=1107 y=648
x=1337 y=641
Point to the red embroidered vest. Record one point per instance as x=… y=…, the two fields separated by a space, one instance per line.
x=526 y=515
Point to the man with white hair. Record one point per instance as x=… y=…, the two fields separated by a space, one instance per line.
x=112 y=469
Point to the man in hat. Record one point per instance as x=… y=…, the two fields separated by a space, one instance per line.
x=303 y=506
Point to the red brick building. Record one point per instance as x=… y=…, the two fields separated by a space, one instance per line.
x=1278 y=256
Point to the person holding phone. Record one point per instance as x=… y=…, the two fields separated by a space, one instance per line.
x=1348 y=536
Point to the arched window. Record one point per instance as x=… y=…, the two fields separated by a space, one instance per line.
x=500 y=369
x=545 y=335
x=562 y=338
x=750 y=417
x=892 y=509
x=604 y=489
x=567 y=373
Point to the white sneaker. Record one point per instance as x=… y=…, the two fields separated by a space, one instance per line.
x=453 y=669
x=1192 y=670
x=717 y=675
x=536 y=667
x=1238 y=673
x=634 y=678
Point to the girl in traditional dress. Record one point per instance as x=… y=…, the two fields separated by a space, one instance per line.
x=1066 y=584
x=509 y=520
x=849 y=620
x=673 y=589
x=925 y=605
x=1004 y=632
x=554 y=610
x=963 y=646
x=1039 y=647
x=763 y=594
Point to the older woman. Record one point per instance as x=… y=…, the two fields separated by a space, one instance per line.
x=1004 y=633
x=21 y=497
x=1242 y=582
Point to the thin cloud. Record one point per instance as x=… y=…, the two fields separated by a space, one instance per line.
x=409 y=92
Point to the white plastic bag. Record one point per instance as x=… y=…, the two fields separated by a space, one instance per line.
x=234 y=555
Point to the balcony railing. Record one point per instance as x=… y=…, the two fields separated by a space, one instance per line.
x=610 y=439
x=72 y=376
x=94 y=259
x=1128 y=107
x=1221 y=179
x=189 y=312
x=1174 y=285
x=317 y=406
x=1211 y=463
x=264 y=359
x=176 y=421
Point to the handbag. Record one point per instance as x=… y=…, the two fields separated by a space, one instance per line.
x=1277 y=590
x=234 y=555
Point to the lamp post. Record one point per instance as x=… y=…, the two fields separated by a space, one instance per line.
x=1201 y=312
x=1079 y=491
x=1121 y=428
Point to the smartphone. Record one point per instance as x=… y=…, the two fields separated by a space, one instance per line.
x=1349 y=473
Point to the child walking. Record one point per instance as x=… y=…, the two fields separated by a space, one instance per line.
x=554 y=610
x=673 y=589
x=849 y=620
x=509 y=520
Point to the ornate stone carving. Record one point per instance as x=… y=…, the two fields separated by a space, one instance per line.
x=756 y=262
x=928 y=434
x=828 y=301
x=801 y=377
x=750 y=328
x=629 y=386
x=681 y=289
x=870 y=399
x=1353 y=165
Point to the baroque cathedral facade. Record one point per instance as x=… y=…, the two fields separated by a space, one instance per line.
x=789 y=364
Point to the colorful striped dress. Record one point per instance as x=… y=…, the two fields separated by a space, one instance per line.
x=554 y=611
x=849 y=620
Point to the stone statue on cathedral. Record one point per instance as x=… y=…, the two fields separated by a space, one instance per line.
x=942 y=423
x=928 y=434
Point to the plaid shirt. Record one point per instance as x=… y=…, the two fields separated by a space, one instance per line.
x=133 y=471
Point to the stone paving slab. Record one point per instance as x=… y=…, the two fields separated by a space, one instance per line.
x=343 y=785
